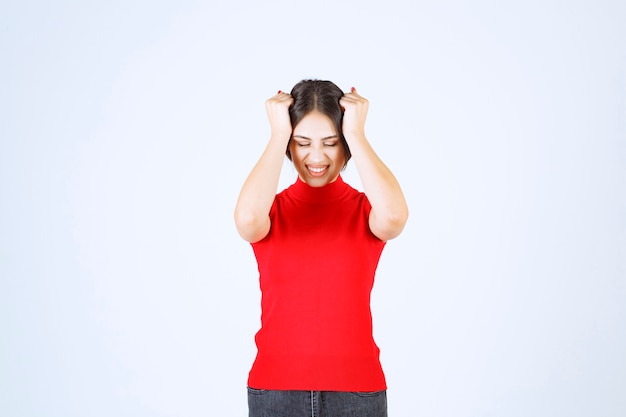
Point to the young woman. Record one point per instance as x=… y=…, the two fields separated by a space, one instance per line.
x=317 y=245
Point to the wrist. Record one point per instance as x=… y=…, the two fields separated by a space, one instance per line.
x=354 y=136
x=281 y=136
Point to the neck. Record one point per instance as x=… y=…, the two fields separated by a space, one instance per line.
x=329 y=192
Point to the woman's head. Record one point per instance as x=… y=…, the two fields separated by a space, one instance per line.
x=322 y=97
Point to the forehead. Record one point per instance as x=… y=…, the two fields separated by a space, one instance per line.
x=313 y=124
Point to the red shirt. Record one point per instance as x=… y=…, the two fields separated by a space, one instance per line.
x=317 y=267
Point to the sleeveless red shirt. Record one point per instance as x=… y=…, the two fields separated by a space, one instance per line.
x=317 y=267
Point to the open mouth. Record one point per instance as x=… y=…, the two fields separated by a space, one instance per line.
x=317 y=170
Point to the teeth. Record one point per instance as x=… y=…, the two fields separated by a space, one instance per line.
x=317 y=170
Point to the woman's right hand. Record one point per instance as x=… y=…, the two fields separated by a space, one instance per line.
x=277 y=108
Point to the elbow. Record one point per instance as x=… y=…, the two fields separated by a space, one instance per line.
x=250 y=227
x=396 y=222
x=391 y=225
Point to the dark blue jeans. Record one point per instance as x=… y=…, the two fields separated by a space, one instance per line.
x=270 y=403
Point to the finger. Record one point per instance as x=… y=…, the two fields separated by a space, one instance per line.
x=352 y=93
x=348 y=100
x=352 y=98
x=281 y=96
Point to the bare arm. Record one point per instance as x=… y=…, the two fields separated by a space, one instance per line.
x=258 y=191
x=389 y=209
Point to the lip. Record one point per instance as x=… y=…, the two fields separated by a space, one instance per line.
x=317 y=170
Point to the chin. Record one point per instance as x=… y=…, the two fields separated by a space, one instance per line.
x=314 y=182
x=318 y=181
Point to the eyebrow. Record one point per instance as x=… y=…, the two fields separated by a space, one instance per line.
x=326 y=138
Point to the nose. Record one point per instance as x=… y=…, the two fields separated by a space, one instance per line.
x=317 y=153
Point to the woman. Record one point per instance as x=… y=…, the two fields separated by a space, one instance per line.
x=317 y=245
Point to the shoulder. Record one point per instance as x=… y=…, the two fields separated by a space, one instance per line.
x=358 y=198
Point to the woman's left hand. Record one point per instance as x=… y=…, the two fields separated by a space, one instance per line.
x=355 y=112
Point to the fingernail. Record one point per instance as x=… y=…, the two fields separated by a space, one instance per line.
x=353 y=89
x=279 y=91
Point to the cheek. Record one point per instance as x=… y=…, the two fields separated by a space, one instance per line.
x=339 y=155
x=296 y=153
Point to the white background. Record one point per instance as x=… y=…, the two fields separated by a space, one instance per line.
x=128 y=127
